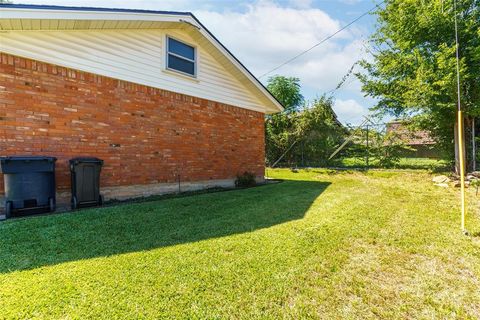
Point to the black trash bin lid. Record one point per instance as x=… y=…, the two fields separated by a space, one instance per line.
x=85 y=160
x=22 y=164
x=28 y=158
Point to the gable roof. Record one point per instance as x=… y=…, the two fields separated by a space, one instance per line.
x=46 y=17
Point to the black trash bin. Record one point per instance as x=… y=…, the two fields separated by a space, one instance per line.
x=85 y=173
x=29 y=184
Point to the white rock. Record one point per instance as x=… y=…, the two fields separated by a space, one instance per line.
x=440 y=179
x=476 y=174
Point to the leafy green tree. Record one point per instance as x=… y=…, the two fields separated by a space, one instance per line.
x=311 y=128
x=318 y=132
x=287 y=91
x=279 y=127
x=413 y=68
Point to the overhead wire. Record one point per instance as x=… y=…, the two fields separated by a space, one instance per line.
x=323 y=40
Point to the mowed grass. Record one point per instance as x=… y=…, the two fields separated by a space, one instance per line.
x=403 y=163
x=322 y=244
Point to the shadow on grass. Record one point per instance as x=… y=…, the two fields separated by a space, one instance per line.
x=475 y=234
x=52 y=239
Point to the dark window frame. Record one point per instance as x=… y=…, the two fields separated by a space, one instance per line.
x=178 y=56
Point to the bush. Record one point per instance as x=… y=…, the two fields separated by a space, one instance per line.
x=245 y=180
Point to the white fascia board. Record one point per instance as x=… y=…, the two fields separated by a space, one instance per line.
x=21 y=13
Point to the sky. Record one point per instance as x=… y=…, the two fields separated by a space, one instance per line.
x=263 y=34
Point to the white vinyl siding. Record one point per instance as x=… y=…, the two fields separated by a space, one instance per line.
x=136 y=56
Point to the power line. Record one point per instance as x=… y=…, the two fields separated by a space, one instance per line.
x=324 y=40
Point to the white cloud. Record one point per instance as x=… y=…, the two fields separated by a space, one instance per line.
x=269 y=30
x=349 y=111
x=267 y=34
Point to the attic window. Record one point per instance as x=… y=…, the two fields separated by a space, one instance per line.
x=181 y=57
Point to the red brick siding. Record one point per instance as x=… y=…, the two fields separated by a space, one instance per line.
x=145 y=135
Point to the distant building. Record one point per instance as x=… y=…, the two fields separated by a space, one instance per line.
x=423 y=145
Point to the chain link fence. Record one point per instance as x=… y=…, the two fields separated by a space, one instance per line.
x=369 y=146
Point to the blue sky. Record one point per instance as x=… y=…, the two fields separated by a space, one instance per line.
x=265 y=33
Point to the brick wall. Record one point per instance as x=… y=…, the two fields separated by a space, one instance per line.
x=144 y=135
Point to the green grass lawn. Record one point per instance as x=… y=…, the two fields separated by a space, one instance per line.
x=322 y=244
x=404 y=163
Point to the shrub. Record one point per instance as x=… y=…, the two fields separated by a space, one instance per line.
x=245 y=180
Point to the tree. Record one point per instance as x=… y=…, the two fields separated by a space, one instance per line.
x=287 y=91
x=318 y=132
x=279 y=127
x=311 y=128
x=413 y=68
x=387 y=148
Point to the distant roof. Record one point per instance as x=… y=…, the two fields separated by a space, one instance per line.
x=19 y=11
x=409 y=136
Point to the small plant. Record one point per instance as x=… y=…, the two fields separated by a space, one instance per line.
x=245 y=180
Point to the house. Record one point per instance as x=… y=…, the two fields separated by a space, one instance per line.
x=152 y=93
x=421 y=144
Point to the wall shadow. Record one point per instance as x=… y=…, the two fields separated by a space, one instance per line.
x=52 y=239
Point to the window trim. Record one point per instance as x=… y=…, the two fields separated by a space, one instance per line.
x=194 y=61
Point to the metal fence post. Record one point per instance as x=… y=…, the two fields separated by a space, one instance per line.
x=367 y=148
